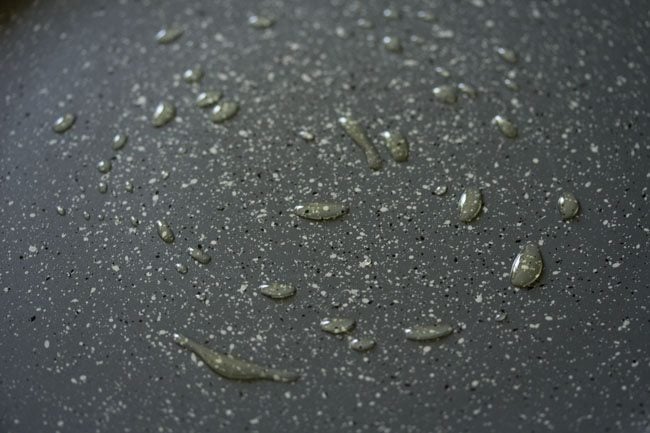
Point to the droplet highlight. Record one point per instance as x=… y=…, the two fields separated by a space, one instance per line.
x=506 y=127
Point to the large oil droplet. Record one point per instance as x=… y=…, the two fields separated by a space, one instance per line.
x=278 y=290
x=163 y=114
x=168 y=35
x=568 y=205
x=181 y=268
x=64 y=123
x=119 y=141
x=104 y=166
x=355 y=131
x=362 y=344
x=337 y=325
x=397 y=145
x=470 y=204
x=208 y=99
x=527 y=266
x=428 y=332
x=102 y=187
x=61 y=210
x=467 y=89
x=321 y=211
x=507 y=54
x=224 y=111
x=392 y=44
x=233 y=368
x=446 y=94
x=260 y=21
x=199 y=255
x=165 y=231
x=193 y=75
x=506 y=127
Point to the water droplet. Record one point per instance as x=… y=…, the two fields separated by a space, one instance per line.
x=392 y=44
x=181 y=268
x=446 y=94
x=425 y=16
x=511 y=84
x=163 y=114
x=364 y=23
x=507 y=54
x=337 y=325
x=233 y=368
x=168 y=35
x=199 y=255
x=467 y=89
x=61 y=210
x=278 y=290
x=134 y=221
x=391 y=13
x=501 y=317
x=224 y=111
x=104 y=166
x=362 y=344
x=208 y=99
x=165 y=231
x=193 y=75
x=440 y=190
x=442 y=71
x=119 y=141
x=470 y=204
x=428 y=332
x=306 y=135
x=86 y=215
x=354 y=130
x=164 y=174
x=568 y=205
x=128 y=186
x=527 y=266
x=63 y=123
x=102 y=187
x=260 y=21
x=397 y=145
x=506 y=127
x=321 y=211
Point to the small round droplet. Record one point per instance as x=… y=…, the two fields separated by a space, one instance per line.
x=165 y=231
x=362 y=344
x=260 y=21
x=104 y=166
x=224 y=111
x=446 y=94
x=440 y=190
x=199 y=255
x=164 y=175
x=278 y=290
x=193 y=75
x=128 y=186
x=64 y=123
x=507 y=54
x=442 y=71
x=119 y=141
x=470 y=204
x=61 y=210
x=181 y=268
x=391 y=13
x=208 y=99
x=163 y=114
x=86 y=215
x=168 y=35
x=364 y=23
x=392 y=44
x=337 y=325
x=511 y=84
x=428 y=332
x=506 y=127
x=467 y=89
x=102 y=187
x=568 y=205
x=527 y=266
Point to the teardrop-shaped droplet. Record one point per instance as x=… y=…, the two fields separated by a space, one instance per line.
x=104 y=166
x=168 y=35
x=321 y=211
x=440 y=190
x=337 y=325
x=507 y=54
x=64 y=123
x=356 y=133
x=260 y=21
x=278 y=290
x=181 y=268
x=501 y=316
x=165 y=231
x=362 y=344
x=208 y=99
x=506 y=127
x=163 y=114
x=306 y=135
x=568 y=205
x=102 y=187
x=527 y=266
x=467 y=89
x=193 y=75
x=428 y=332
x=392 y=44
x=446 y=94
x=397 y=145
x=119 y=141
x=470 y=204
x=199 y=255
x=224 y=111
x=61 y=210
x=233 y=368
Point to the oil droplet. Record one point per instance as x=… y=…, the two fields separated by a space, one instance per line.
x=527 y=266
x=169 y=35
x=193 y=75
x=511 y=84
x=181 y=268
x=391 y=13
x=568 y=205
x=306 y=135
x=392 y=44
x=506 y=127
x=321 y=211
x=224 y=111
x=442 y=71
x=233 y=368
x=445 y=94
x=128 y=186
x=397 y=145
x=119 y=141
x=507 y=54
x=354 y=130
x=470 y=204
x=102 y=187
x=208 y=99
x=165 y=231
x=163 y=114
x=337 y=325
x=260 y=21
x=501 y=317
x=364 y=23
x=134 y=221
x=61 y=210
x=86 y=215
x=362 y=344
x=440 y=190
x=467 y=89
x=199 y=255
x=428 y=332
x=164 y=174
x=64 y=123
x=425 y=16
x=104 y=166
x=278 y=290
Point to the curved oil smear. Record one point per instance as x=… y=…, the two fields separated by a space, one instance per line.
x=356 y=133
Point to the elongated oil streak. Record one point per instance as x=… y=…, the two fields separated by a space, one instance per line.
x=355 y=131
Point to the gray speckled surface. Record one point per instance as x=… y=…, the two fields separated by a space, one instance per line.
x=88 y=307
